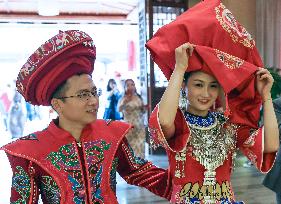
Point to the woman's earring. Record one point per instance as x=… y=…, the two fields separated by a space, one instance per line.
x=183 y=100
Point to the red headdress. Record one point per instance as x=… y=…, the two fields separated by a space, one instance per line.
x=223 y=49
x=64 y=55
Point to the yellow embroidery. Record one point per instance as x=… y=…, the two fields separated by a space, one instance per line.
x=201 y=193
x=236 y=31
x=252 y=138
x=229 y=61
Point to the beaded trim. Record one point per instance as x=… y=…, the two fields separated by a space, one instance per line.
x=196 y=121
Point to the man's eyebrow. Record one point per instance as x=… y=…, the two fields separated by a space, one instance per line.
x=87 y=90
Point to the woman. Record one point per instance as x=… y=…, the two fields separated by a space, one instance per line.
x=132 y=107
x=201 y=144
x=113 y=95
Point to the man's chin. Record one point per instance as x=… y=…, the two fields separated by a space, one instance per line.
x=93 y=119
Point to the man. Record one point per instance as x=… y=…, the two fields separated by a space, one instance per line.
x=75 y=159
x=273 y=179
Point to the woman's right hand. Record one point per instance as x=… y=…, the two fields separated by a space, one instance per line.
x=182 y=54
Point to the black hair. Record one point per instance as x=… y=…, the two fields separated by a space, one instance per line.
x=108 y=88
x=62 y=88
x=186 y=76
x=60 y=91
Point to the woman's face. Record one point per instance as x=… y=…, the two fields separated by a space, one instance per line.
x=203 y=90
x=130 y=86
x=112 y=84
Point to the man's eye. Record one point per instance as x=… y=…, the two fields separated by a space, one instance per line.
x=83 y=95
x=94 y=93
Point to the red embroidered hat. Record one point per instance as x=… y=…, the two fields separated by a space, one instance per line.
x=64 y=55
x=208 y=23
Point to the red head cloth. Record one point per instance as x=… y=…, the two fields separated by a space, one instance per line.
x=208 y=23
x=64 y=55
x=236 y=77
x=232 y=56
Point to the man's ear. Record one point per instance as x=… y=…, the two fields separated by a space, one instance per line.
x=57 y=105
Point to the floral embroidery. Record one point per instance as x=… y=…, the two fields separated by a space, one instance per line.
x=22 y=184
x=50 y=190
x=251 y=139
x=66 y=159
x=113 y=174
x=236 y=31
x=229 y=61
x=95 y=151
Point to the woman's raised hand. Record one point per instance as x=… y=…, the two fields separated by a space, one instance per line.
x=264 y=82
x=182 y=54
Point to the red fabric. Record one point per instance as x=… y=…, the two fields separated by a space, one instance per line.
x=53 y=62
x=224 y=49
x=249 y=141
x=208 y=23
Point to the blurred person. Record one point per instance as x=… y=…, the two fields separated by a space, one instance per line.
x=133 y=109
x=74 y=159
x=17 y=116
x=273 y=178
x=112 y=97
x=5 y=107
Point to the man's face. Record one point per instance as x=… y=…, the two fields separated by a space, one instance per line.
x=81 y=108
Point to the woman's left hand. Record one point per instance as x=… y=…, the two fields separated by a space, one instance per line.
x=264 y=82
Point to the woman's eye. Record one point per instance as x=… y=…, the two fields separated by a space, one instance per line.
x=199 y=85
x=214 y=86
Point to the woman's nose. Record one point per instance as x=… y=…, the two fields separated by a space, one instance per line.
x=206 y=92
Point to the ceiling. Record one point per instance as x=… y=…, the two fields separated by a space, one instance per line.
x=112 y=10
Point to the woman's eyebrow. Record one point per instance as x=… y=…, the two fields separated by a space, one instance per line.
x=202 y=81
x=198 y=80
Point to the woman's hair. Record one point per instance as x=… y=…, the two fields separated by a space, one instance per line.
x=108 y=88
x=125 y=92
x=187 y=76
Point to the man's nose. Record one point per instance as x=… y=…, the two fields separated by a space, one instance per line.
x=93 y=99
